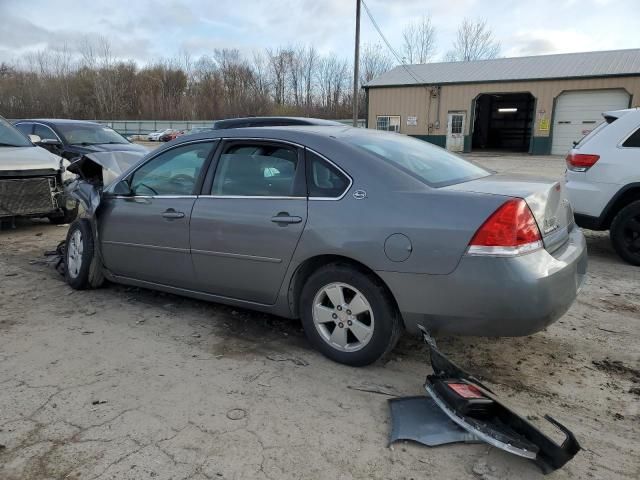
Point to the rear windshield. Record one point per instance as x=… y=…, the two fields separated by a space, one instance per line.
x=607 y=121
x=432 y=165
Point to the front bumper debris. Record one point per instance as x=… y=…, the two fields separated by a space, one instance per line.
x=476 y=415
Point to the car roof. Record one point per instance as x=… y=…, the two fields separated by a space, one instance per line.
x=60 y=121
x=270 y=121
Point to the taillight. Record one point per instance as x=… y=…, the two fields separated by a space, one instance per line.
x=510 y=230
x=581 y=162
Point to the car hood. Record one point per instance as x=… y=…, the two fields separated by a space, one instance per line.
x=20 y=159
x=107 y=147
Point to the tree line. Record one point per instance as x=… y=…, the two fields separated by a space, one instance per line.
x=91 y=83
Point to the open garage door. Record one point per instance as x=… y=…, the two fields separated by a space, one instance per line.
x=579 y=112
x=503 y=122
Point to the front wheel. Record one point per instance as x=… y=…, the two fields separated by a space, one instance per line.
x=81 y=268
x=348 y=315
x=625 y=233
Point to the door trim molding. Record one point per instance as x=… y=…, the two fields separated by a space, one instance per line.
x=150 y=247
x=239 y=256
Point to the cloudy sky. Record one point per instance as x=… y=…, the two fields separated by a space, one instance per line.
x=144 y=30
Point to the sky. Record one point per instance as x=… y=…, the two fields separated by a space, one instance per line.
x=146 y=30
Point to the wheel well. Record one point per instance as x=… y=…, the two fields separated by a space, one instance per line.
x=309 y=266
x=622 y=201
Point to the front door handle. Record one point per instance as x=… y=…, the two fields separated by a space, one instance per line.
x=284 y=217
x=171 y=214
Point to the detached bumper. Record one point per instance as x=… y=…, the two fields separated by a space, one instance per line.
x=491 y=296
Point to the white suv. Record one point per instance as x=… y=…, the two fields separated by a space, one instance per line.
x=603 y=181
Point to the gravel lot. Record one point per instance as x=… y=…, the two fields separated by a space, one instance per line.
x=125 y=383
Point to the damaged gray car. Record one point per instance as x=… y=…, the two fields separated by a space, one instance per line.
x=361 y=234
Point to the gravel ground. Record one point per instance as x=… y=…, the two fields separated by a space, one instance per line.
x=125 y=383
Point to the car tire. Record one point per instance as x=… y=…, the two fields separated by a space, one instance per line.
x=67 y=216
x=82 y=269
x=359 y=337
x=625 y=233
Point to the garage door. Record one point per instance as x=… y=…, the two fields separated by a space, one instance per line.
x=579 y=112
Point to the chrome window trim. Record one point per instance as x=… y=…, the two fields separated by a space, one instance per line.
x=153 y=196
x=253 y=197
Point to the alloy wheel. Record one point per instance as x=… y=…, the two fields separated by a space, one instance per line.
x=343 y=317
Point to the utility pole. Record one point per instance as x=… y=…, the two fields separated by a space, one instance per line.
x=356 y=67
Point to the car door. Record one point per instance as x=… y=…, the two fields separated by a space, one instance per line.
x=145 y=235
x=246 y=227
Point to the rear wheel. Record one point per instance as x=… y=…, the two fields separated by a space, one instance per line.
x=625 y=233
x=348 y=315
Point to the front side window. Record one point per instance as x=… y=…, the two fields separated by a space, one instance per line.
x=323 y=179
x=174 y=172
x=388 y=123
x=633 y=141
x=432 y=165
x=10 y=137
x=44 y=132
x=256 y=170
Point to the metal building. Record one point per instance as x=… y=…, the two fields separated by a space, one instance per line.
x=538 y=104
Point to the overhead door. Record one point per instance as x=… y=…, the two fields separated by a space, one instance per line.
x=579 y=112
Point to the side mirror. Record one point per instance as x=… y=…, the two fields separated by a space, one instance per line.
x=51 y=144
x=34 y=138
x=122 y=188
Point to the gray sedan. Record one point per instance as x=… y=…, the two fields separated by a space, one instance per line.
x=361 y=234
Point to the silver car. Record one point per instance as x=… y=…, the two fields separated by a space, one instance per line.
x=361 y=234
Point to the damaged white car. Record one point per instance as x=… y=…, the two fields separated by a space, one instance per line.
x=32 y=180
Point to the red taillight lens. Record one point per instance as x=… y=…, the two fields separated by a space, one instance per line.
x=581 y=162
x=465 y=390
x=510 y=230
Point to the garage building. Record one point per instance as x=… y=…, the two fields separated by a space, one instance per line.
x=539 y=104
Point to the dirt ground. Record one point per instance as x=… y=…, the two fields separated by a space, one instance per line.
x=125 y=383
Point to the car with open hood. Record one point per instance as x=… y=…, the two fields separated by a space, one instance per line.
x=359 y=233
x=32 y=179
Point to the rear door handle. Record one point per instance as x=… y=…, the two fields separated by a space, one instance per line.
x=171 y=214
x=285 y=218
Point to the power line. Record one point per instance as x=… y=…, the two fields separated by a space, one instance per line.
x=391 y=49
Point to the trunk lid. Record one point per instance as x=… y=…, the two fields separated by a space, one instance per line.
x=546 y=198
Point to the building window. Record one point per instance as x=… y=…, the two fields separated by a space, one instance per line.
x=388 y=123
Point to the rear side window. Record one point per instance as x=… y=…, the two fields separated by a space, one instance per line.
x=323 y=179
x=633 y=141
x=257 y=170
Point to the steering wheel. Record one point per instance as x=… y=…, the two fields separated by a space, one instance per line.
x=153 y=190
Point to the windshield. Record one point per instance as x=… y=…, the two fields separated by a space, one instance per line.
x=89 y=134
x=11 y=137
x=430 y=164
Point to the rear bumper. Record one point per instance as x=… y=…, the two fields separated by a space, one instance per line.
x=492 y=296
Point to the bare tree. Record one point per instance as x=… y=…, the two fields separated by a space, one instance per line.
x=474 y=41
x=419 y=41
x=374 y=61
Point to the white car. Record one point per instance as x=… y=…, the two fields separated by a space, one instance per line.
x=603 y=181
x=155 y=136
x=32 y=180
